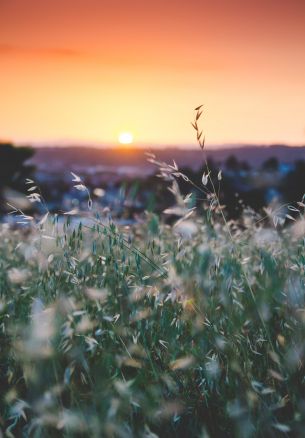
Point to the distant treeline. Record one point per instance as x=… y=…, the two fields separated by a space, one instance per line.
x=242 y=185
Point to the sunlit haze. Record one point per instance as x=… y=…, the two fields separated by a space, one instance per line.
x=83 y=71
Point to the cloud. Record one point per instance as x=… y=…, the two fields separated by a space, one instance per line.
x=10 y=49
x=115 y=59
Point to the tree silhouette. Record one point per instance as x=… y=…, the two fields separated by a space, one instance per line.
x=13 y=168
x=293 y=185
x=271 y=164
x=232 y=164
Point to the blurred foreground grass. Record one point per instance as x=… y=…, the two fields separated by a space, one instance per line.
x=192 y=329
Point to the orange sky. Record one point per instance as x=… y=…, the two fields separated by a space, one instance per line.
x=85 y=70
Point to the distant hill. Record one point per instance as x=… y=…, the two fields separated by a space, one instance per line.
x=63 y=158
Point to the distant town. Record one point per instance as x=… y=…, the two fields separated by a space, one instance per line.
x=127 y=183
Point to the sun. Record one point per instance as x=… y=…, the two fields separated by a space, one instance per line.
x=125 y=138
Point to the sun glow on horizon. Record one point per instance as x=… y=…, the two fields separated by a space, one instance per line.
x=129 y=73
x=125 y=138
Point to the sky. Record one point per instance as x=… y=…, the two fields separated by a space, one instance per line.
x=84 y=71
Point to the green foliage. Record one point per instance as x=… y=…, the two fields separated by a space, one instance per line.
x=141 y=331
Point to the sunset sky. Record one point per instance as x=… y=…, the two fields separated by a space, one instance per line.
x=85 y=71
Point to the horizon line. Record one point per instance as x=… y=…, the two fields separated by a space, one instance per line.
x=144 y=145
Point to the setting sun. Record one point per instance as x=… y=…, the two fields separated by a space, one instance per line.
x=125 y=138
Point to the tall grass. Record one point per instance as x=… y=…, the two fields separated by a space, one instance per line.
x=190 y=329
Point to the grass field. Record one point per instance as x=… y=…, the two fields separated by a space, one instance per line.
x=185 y=328
x=191 y=329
